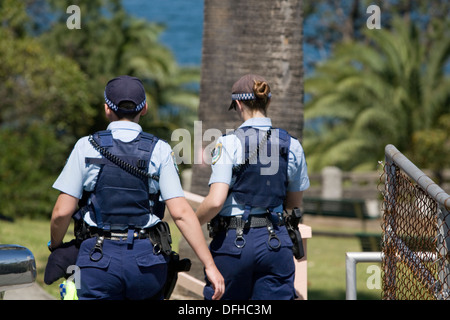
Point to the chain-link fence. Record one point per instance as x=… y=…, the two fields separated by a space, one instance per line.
x=416 y=238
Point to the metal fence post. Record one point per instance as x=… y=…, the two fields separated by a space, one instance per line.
x=351 y=259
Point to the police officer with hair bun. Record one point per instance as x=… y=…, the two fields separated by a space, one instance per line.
x=258 y=174
x=123 y=178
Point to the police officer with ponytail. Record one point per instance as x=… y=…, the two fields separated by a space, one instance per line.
x=124 y=178
x=258 y=174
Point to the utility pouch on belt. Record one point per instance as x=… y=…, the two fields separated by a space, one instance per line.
x=291 y=221
x=161 y=238
x=162 y=242
x=175 y=265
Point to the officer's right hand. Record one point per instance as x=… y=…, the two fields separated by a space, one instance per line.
x=217 y=281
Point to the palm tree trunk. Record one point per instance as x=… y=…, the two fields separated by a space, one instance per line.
x=252 y=36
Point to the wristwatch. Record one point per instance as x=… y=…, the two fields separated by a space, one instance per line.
x=49 y=246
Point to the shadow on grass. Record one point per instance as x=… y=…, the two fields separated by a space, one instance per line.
x=340 y=295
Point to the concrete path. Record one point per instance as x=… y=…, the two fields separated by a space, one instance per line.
x=33 y=292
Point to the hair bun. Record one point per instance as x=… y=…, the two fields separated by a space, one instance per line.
x=261 y=90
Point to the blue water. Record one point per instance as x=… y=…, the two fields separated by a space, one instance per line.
x=184 y=28
x=184 y=25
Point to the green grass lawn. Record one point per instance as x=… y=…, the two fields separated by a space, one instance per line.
x=326 y=270
x=326 y=259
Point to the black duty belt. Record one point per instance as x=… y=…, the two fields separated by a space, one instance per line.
x=220 y=223
x=119 y=235
x=159 y=236
x=254 y=221
x=142 y=234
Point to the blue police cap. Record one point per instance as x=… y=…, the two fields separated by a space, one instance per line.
x=125 y=88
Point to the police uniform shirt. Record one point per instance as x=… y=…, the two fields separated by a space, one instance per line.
x=78 y=176
x=228 y=153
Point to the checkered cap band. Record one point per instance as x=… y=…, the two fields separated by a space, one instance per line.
x=245 y=96
x=114 y=107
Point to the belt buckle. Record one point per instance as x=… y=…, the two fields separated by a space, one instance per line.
x=118 y=236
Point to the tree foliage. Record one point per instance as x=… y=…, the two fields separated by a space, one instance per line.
x=43 y=106
x=391 y=89
x=110 y=43
x=53 y=80
x=331 y=22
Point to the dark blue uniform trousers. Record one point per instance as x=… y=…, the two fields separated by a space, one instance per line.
x=126 y=271
x=257 y=271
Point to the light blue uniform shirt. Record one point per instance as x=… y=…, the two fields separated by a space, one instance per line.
x=228 y=153
x=78 y=176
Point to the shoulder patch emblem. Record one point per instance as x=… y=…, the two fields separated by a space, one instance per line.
x=216 y=153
